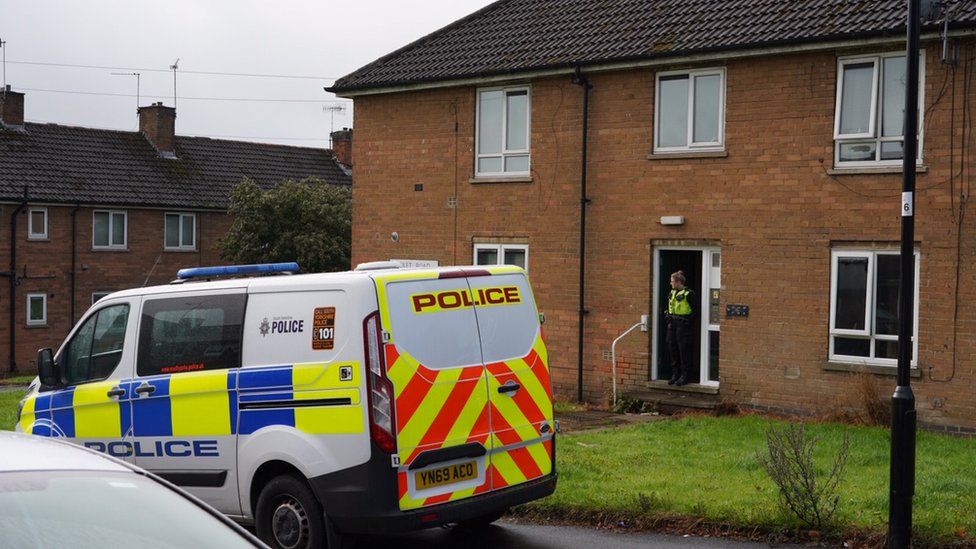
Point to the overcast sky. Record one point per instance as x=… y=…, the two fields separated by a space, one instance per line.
x=324 y=39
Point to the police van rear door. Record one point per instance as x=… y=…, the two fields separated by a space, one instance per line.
x=519 y=387
x=433 y=359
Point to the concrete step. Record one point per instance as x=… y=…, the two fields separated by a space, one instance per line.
x=669 y=399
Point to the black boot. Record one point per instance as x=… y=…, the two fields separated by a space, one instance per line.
x=681 y=381
x=674 y=379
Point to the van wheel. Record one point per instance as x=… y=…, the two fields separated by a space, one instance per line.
x=289 y=517
x=483 y=521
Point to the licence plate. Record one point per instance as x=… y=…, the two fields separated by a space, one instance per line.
x=449 y=474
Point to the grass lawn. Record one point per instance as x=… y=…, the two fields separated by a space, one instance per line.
x=706 y=467
x=18 y=380
x=8 y=408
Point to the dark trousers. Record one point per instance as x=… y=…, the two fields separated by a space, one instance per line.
x=679 y=347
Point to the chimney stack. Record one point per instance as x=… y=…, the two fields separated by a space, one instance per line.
x=158 y=124
x=342 y=146
x=11 y=108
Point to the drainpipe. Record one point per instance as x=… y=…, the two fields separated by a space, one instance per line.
x=74 y=257
x=12 y=275
x=582 y=81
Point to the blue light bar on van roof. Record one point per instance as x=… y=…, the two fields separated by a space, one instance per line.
x=265 y=268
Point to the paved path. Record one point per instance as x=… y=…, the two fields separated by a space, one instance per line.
x=528 y=536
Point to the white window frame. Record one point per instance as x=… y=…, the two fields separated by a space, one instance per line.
x=96 y=296
x=691 y=145
x=870 y=309
x=31 y=234
x=500 y=250
x=35 y=321
x=125 y=233
x=505 y=151
x=181 y=246
x=875 y=120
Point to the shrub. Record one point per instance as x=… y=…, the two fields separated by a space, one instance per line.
x=789 y=461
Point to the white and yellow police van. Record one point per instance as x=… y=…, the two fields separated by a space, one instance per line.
x=376 y=400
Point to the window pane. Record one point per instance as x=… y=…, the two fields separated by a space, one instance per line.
x=855 y=106
x=487 y=256
x=886 y=294
x=707 y=99
x=108 y=340
x=885 y=349
x=892 y=150
x=190 y=333
x=852 y=347
x=37 y=222
x=188 y=238
x=518 y=121
x=514 y=256
x=490 y=122
x=517 y=163
x=852 y=284
x=118 y=229
x=858 y=152
x=673 y=112
x=893 y=91
x=100 y=229
x=77 y=354
x=37 y=308
x=490 y=165
x=172 y=231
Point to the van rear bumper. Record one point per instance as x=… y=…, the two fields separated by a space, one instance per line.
x=385 y=520
x=363 y=499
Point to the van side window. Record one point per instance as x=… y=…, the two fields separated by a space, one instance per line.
x=96 y=348
x=186 y=334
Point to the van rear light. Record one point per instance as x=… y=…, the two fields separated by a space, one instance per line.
x=379 y=387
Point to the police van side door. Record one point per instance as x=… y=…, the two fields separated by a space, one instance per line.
x=184 y=401
x=91 y=407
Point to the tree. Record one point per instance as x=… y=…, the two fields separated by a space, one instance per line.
x=308 y=221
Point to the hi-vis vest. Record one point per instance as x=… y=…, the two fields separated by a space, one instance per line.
x=679 y=302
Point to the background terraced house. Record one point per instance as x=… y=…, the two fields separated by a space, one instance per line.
x=86 y=212
x=754 y=145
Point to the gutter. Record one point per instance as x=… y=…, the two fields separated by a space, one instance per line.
x=677 y=58
x=580 y=80
x=12 y=275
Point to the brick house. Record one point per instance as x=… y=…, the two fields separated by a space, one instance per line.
x=88 y=211
x=754 y=145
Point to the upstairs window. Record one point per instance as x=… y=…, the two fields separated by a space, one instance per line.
x=869 y=122
x=689 y=113
x=180 y=231
x=109 y=229
x=37 y=224
x=503 y=132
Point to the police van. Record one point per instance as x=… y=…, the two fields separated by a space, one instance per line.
x=376 y=400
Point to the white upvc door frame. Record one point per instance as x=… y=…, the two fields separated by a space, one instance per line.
x=703 y=308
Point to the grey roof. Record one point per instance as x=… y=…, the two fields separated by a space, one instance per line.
x=513 y=36
x=67 y=164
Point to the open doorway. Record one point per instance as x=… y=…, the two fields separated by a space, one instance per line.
x=702 y=268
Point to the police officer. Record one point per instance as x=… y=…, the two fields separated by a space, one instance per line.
x=679 y=329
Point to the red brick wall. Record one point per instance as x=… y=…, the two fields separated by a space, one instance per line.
x=770 y=205
x=48 y=269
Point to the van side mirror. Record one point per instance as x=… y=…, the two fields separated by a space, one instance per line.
x=47 y=370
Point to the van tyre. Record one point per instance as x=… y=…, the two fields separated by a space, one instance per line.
x=289 y=517
x=482 y=521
